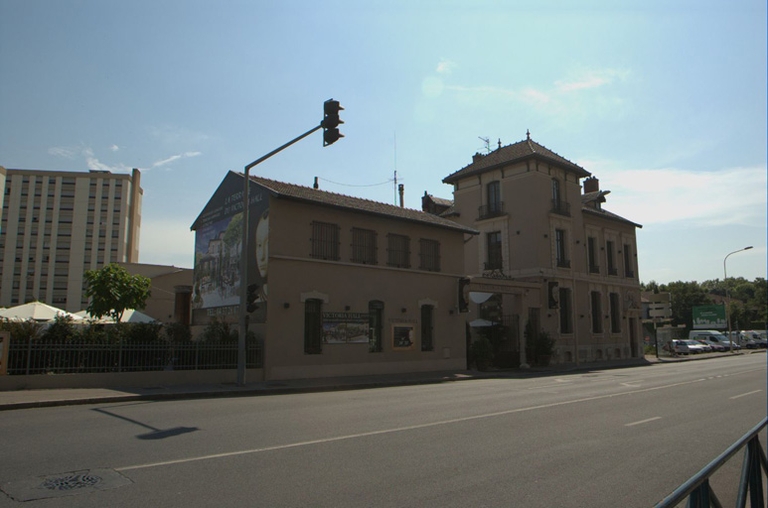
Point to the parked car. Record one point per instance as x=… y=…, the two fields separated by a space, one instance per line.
x=694 y=347
x=676 y=346
x=716 y=346
x=707 y=347
x=729 y=344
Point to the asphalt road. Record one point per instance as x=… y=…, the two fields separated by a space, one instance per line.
x=624 y=437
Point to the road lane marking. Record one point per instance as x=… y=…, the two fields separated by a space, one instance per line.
x=412 y=427
x=643 y=421
x=561 y=384
x=400 y=429
x=745 y=394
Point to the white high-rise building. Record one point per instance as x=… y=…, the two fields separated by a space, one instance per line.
x=55 y=225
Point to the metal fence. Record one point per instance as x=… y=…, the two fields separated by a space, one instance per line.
x=60 y=357
x=754 y=470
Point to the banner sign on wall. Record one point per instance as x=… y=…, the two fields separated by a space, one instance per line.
x=709 y=317
x=218 y=248
x=345 y=328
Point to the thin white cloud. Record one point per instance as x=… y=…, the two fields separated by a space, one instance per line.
x=586 y=80
x=697 y=198
x=172 y=158
x=560 y=100
x=114 y=148
x=445 y=66
x=95 y=164
x=66 y=152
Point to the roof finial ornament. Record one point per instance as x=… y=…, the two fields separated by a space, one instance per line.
x=528 y=134
x=499 y=143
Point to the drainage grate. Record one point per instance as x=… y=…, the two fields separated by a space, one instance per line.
x=71 y=481
x=64 y=484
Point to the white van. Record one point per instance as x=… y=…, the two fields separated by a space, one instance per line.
x=714 y=336
x=707 y=334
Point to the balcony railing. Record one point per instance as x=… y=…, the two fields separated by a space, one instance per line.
x=563 y=263
x=561 y=207
x=493 y=264
x=488 y=211
x=594 y=269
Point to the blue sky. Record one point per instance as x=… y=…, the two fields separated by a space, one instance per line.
x=663 y=101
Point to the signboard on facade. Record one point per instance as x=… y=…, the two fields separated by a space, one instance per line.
x=709 y=317
x=345 y=328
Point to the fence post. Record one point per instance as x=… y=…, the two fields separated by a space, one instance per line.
x=29 y=354
x=120 y=354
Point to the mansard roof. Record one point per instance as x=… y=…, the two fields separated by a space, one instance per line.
x=522 y=150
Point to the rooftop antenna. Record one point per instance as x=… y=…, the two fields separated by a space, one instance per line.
x=395 y=186
x=487 y=142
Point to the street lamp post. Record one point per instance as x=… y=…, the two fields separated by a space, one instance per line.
x=728 y=296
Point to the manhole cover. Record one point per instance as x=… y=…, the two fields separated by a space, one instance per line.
x=64 y=484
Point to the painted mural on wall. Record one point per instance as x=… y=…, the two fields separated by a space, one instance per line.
x=218 y=248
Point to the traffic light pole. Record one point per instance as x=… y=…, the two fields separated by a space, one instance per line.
x=245 y=251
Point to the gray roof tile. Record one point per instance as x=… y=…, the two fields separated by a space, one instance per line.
x=522 y=150
x=325 y=198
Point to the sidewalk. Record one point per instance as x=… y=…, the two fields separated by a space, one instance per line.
x=24 y=399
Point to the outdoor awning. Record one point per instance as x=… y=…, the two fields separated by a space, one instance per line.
x=479 y=323
x=478 y=297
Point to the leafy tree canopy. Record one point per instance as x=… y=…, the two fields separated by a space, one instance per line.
x=112 y=290
x=748 y=306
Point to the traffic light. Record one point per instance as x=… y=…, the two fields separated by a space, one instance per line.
x=250 y=299
x=331 y=122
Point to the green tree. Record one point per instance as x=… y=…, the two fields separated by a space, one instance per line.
x=112 y=290
x=685 y=296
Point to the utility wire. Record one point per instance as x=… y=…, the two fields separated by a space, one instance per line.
x=354 y=185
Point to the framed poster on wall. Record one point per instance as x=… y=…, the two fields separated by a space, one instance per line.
x=403 y=337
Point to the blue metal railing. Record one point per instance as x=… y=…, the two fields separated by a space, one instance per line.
x=754 y=469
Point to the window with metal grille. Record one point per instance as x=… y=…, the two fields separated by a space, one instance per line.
x=494 y=251
x=615 y=313
x=398 y=251
x=597 y=312
x=325 y=241
x=560 y=249
x=313 y=326
x=364 y=246
x=430 y=255
x=610 y=259
x=427 y=327
x=628 y=269
x=566 y=321
x=375 y=325
x=494 y=198
x=594 y=267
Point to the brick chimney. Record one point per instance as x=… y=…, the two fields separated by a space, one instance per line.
x=477 y=157
x=591 y=184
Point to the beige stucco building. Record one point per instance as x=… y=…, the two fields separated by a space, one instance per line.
x=548 y=253
x=55 y=225
x=345 y=286
x=169 y=293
